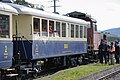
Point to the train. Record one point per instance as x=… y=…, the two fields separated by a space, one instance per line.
x=28 y=46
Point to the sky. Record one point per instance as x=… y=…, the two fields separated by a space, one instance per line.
x=106 y=12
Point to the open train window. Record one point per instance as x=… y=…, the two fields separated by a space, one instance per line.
x=36 y=26
x=44 y=27
x=63 y=29
x=58 y=28
x=77 y=31
x=81 y=31
x=4 y=26
x=72 y=30
x=51 y=28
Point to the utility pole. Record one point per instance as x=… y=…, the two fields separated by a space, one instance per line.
x=54 y=5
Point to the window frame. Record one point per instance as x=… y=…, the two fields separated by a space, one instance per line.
x=9 y=26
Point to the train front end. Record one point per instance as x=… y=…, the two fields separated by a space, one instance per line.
x=6 y=45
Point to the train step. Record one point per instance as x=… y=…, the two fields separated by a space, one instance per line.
x=11 y=75
x=10 y=69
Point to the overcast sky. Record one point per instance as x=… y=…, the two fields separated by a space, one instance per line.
x=106 y=12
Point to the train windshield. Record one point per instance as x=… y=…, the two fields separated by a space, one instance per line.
x=4 y=26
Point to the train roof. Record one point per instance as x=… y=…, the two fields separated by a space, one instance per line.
x=32 y=11
x=7 y=8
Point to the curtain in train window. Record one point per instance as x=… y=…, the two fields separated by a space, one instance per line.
x=4 y=26
x=58 y=28
x=77 y=32
x=63 y=29
x=72 y=30
x=81 y=31
x=36 y=26
x=44 y=28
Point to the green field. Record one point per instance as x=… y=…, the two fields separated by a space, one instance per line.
x=77 y=72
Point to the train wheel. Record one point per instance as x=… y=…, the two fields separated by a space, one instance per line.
x=73 y=62
x=80 y=60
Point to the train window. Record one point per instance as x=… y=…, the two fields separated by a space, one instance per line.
x=72 y=30
x=36 y=26
x=44 y=28
x=85 y=32
x=51 y=28
x=58 y=28
x=81 y=31
x=4 y=26
x=63 y=29
x=77 y=32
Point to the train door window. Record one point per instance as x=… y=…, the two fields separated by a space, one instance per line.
x=4 y=26
x=63 y=29
x=81 y=31
x=44 y=27
x=51 y=28
x=58 y=28
x=72 y=30
x=85 y=32
x=36 y=26
x=77 y=32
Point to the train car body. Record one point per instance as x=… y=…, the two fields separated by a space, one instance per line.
x=6 y=44
x=36 y=44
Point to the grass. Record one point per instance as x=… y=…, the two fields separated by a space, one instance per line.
x=77 y=72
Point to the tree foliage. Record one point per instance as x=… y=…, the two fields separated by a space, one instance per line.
x=21 y=2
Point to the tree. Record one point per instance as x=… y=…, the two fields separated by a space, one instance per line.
x=21 y=2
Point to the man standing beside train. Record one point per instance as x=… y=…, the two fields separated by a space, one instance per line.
x=117 y=52
x=103 y=51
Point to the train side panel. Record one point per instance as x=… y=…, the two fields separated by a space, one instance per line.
x=6 y=54
x=46 y=49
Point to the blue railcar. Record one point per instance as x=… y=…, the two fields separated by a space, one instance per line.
x=39 y=40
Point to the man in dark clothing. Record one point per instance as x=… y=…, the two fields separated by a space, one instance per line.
x=117 y=53
x=102 y=51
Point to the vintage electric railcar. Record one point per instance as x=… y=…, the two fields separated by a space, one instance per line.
x=32 y=40
x=27 y=44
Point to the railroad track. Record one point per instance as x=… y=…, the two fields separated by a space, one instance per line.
x=103 y=74
x=109 y=76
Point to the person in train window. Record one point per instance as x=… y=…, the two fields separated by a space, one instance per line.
x=117 y=52
x=55 y=34
x=50 y=31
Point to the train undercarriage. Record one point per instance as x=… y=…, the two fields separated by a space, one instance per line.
x=31 y=69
